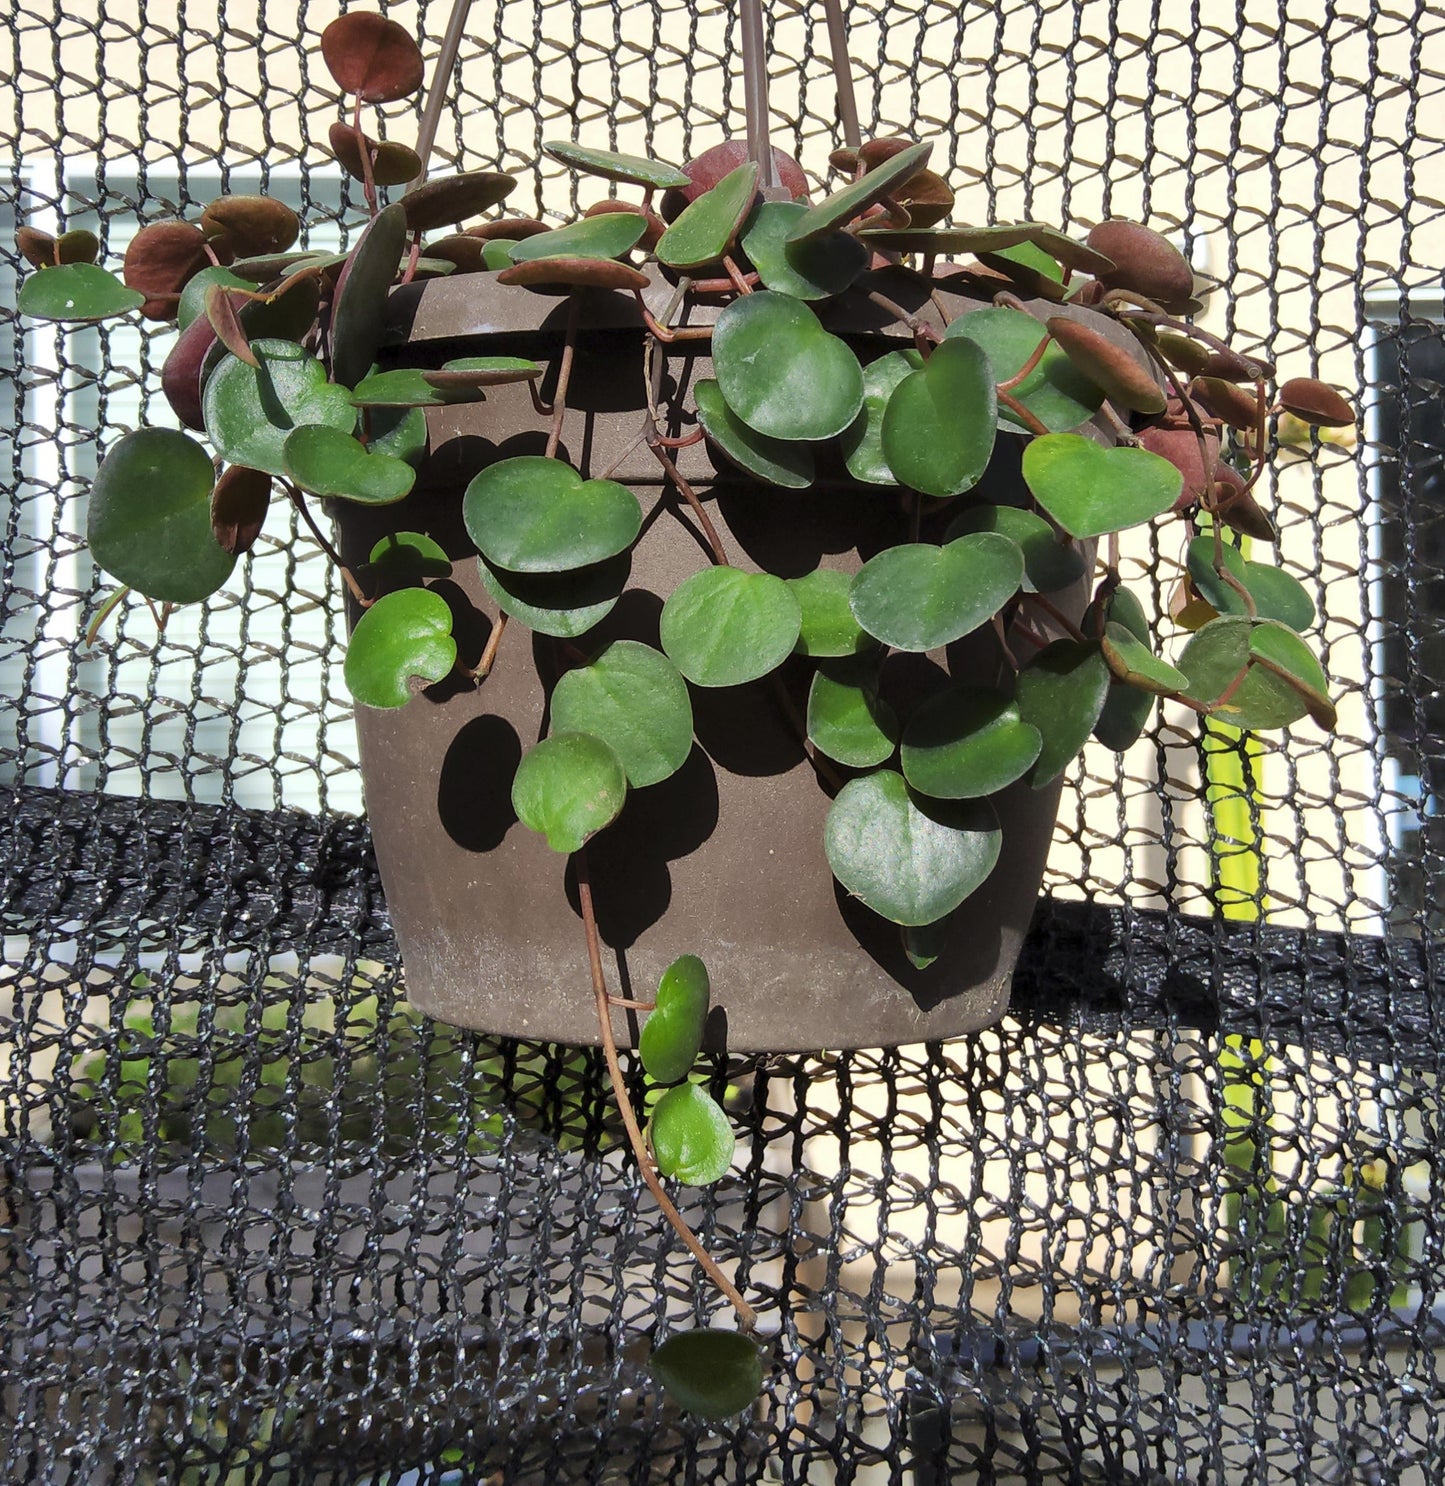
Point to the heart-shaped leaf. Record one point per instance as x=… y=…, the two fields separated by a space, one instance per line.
x=359 y=310
x=1061 y=692
x=1090 y=490
x=608 y=236
x=1200 y=559
x=38 y=248
x=917 y=597
x=631 y=170
x=910 y=859
x=251 y=225
x=406 y=559
x=1278 y=653
x=1032 y=270
x=1278 y=595
x=568 y=788
x=565 y=605
x=76 y=293
x=403 y=639
x=238 y=508
x=537 y=515
x=967 y=742
x=815 y=269
x=1282 y=684
x=372 y=57
x=1048 y=564
x=841 y=207
x=1275 y=594
x=250 y=413
x=846 y=720
x=691 y=1137
x=400 y=432
x=1135 y=664
x=723 y=627
x=1127 y=709
x=1316 y=403
x=634 y=700
x=713 y=1374
x=149 y=523
x=781 y=372
x=672 y=1034
x=497 y=253
x=708 y=227
x=391 y=164
x=1056 y=392
x=938 y=427
x=775 y=461
x=328 y=462
x=453 y=198
x=829 y=628
x=863 y=438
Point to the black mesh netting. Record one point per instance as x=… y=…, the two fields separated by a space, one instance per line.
x=1177 y=1218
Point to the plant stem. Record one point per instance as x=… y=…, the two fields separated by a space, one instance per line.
x=1056 y=614
x=102 y=614
x=1020 y=414
x=719 y=552
x=488 y=657
x=440 y=86
x=368 y=180
x=747 y=1317
x=1028 y=365
x=299 y=501
x=564 y=376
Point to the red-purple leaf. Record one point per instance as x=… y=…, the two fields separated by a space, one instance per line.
x=238 y=507
x=181 y=374
x=252 y=226
x=372 y=58
x=159 y=263
x=1145 y=262
x=222 y=311
x=391 y=164
x=452 y=198
x=1316 y=403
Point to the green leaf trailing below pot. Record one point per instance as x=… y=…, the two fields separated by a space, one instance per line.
x=781 y=372
x=251 y=413
x=910 y=859
x=829 y=628
x=1091 y=491
x=816 y=269
x=863 y=438
x=967 y=742
x=918 y=597
x=691 y=1137
x=777 y=461
x=671 y=1036
x=564 y=605
x=149 y=522
x=846 y=719
x=1256 y=674
x=402 y=639
x=632 y=698
x=724 y=627
x=537 y=515
x=567 y=788
x=1048 y=564
x=328 y=462
x=713 y=1374
x=1062 y=692
x=939 y=425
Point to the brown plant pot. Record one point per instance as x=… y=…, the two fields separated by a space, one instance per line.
x=725 y=859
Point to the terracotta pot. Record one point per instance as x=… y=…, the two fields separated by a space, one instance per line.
x=725 y=859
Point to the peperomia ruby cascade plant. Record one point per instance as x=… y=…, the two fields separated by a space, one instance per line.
x=1038 y=337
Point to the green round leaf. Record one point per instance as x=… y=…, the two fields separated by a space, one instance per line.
x=909 y=859
x=631 y=170
x=924 y=943
x=404 y=637
x=967 y=742
x=939 y=425
x=359 y=309
x=842 y=206
x=691 y=1137
x=76 y=293
x=713 y=1374
x=1127 y=709
x=846 y=720
x=773 y=460
x=1061 y=692
x=497 y=252
x=708 y=226
x=193 y=296
x=567 y=788
x=1030 y=256
x=328 y=462
x=1136 y=665
x=609 y=235
x=917 y=597
x=1221 y=596
x=1056 y=392
x=400 y=432
x=408 y=387
x=816 y=269
x=863 y=438
x=250 y=413
x=1278 y=652
x=565 y=605
x=538 y=515
x=781 y=372
x=1284 y=681
x=722 y=627
x=406 y=559
x=634 y=700
x=1090 y=490
x=1278 y=595
x=672 y=1034
x=829 y=628
x=1048 y=564
x=149 y=524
